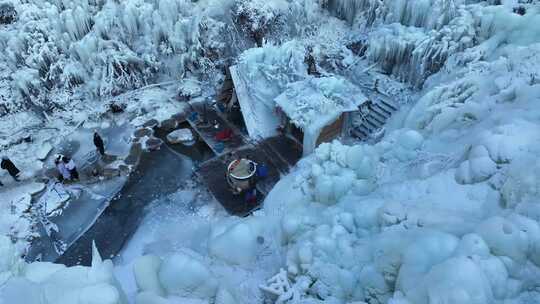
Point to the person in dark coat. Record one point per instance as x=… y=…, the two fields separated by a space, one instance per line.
x=98 y=142
x=8 y=165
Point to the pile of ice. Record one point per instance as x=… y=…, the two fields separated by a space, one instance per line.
x=178 y=277
x=338 y=169
x=44 y=283
x=258 y=18
x=188 y=89
x=451 y=212
x=211 y=257
x=352 y=237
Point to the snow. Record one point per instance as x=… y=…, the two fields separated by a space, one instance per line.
x=181 y=274
x=146 y=269
x=442 y=208
x=44 y=151
x=235 y=243
x=16 y=203
x=261 y=75
x=43 y=282
x=54 y=198
x=258 y=116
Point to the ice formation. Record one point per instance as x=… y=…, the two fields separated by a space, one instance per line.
x=442 y=209
x=176 y=276
x=44 y=282
x=260 y=76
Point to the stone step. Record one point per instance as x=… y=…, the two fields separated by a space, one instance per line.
x=372 y=125
x=378 y=108
x=389 y=105
x=358 y=133
x=364 y=129
x=374 y=118
x=386 y=106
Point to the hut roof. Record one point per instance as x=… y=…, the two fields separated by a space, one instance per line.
x=314 y=103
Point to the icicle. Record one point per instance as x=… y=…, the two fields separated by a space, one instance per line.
x=431 y=14
x=96 y=257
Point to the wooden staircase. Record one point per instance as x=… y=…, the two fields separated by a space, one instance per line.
x=372 y=117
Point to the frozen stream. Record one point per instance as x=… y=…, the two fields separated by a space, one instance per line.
x=158 y=174
x=172 y=223
x=183 y=222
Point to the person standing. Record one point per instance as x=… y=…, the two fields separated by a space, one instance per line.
x=63 y=172
x=70 y=166
x=98 y=142
x=8 y=165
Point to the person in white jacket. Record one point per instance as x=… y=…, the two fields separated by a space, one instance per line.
x=63 y=172
x=70 y=166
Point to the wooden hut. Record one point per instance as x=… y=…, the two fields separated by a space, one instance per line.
x=317 y=110
x=311 y=111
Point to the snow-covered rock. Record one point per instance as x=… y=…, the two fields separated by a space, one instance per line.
x=146 y=270
x=235 y=242
x=44 y=151
x=42 y=282
x=189 y=89
x=184 y=136
x=477 y=168
x=183 y=275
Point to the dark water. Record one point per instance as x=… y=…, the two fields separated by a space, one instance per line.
x=159 y=173
x=198 y=152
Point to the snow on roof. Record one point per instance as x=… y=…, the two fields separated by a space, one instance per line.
x=316 y=102
x=262 y=74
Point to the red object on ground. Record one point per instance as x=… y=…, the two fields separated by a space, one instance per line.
x=224 y=135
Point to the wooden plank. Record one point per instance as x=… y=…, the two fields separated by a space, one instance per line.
x=213 y=173
x=287 y=148
x=331 y=131
x=269 y=152
x=207 y=131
